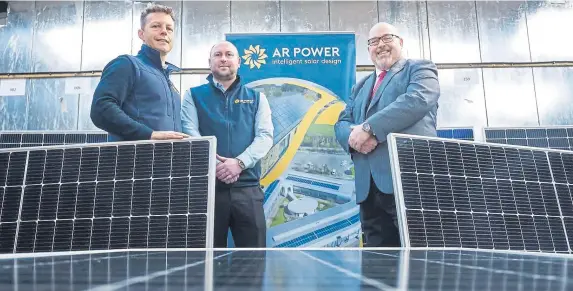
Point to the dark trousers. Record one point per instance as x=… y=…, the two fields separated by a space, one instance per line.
x=379 y=220
x=240 y=209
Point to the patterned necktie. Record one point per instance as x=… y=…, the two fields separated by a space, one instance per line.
x=378 y=82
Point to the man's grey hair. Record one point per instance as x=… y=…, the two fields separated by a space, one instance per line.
x=154 y=8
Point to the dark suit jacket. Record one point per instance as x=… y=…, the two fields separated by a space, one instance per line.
x=406 y=102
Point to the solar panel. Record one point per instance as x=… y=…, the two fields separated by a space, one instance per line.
x=287 y=113
x=554 y=137
x=452 y=193
x=17 y=139
x=292 y=269
x=312 y=182
x=456 y=133
x=320 y=233
x=145 y=194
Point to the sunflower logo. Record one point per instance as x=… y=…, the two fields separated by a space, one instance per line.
x=255 y=56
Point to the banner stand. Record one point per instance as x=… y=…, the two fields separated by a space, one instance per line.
x=307 y=178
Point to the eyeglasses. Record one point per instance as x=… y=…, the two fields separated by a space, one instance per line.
x=387 y=38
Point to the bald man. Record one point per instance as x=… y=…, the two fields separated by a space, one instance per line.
x=240 y=118
x=401 y=96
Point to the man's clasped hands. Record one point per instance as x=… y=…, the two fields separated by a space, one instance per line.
x=228 y=169
x=360 y=140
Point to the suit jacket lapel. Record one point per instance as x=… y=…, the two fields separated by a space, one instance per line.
x=397 y=67
x=365 y=94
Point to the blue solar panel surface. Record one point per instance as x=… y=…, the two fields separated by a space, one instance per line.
x=313 y=182
x=456 y=133
x=466 y=194
x=104 y=196
x=542 y=137
x=287 y=113
x=34 y=138
x=321 y=232
x=270 y=190
x=344 y=270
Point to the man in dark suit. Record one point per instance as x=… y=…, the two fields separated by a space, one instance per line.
x=400 y=97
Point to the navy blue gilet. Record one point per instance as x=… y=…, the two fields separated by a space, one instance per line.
x=136 y=97
x=229 y=116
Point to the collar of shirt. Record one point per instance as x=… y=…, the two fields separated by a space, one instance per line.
x=154 y=55
x=220 y=86
x=378 y=72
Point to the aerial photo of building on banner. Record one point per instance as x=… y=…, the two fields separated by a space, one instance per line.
x=307 y=177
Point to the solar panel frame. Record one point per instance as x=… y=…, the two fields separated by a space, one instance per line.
x=210 y=177
x=399 y=194
x=542 y=138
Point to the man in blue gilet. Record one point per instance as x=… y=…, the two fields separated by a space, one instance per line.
x=240 y=118
x=135 y=100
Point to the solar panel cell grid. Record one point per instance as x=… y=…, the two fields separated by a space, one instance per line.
x=49 y=138
x=10 y=138
x=287 y=112
x=364 y=269
x=544 y=137
x=465 y=194
x=105 y=196
x=456 y=133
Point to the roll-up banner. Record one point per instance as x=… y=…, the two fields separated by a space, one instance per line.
x=307 y=178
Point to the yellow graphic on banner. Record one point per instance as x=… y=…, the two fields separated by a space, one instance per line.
x=298 y=137
x=330 y=114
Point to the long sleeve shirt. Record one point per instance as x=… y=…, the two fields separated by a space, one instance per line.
x=262 y=142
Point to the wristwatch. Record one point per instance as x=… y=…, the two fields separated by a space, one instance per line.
x=241 y=164
x=366 y=127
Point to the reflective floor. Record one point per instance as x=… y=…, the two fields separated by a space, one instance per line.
x=289 y=270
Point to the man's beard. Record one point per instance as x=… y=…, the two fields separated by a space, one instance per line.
x=385 y=63
x=224 y=77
